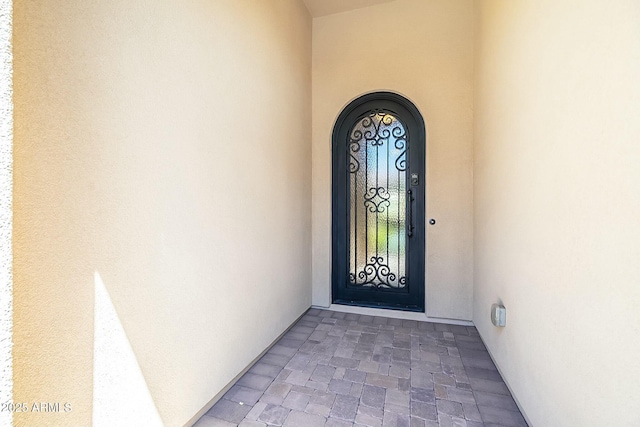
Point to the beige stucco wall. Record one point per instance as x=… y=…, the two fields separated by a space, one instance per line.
x=422 y=49
x=6 y=217
x=163 y=147
x=557 y=206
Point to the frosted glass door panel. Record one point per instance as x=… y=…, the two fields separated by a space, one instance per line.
x=377 y=202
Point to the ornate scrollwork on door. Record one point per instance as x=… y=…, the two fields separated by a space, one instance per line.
x=377 y=149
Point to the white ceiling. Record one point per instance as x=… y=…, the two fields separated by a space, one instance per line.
x=328 y=7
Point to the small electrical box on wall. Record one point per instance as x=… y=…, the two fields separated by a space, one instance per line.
x=498 y=315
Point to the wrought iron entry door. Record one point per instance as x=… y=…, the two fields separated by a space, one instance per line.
x=378 y=204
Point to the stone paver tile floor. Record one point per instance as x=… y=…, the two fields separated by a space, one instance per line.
x=336 y=369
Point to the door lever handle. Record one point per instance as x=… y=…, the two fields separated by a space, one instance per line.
x=410 y=226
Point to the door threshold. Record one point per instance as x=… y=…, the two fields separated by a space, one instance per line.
x=393 y=314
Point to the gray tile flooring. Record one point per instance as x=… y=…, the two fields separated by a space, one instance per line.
x=337 y=369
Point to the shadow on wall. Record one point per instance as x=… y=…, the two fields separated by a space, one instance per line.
x=120 y=393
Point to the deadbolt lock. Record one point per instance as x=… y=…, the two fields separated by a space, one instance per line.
x=414 y=179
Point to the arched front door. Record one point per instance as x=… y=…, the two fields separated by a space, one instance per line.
x=378 y=186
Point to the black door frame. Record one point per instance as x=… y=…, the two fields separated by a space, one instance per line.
x=414 y=299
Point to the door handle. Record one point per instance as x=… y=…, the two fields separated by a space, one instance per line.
x=410 y=226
